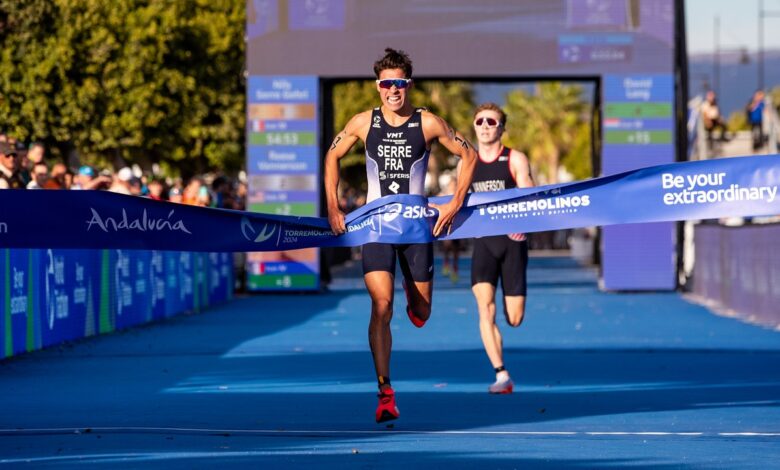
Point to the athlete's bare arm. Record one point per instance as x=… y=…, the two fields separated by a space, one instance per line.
x=435 y=127
x=520 y=169
x=356 y=128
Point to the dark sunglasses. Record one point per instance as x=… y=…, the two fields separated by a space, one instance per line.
x=490 y=122
x=399 y=83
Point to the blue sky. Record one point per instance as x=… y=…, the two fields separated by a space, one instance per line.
x=738 y=24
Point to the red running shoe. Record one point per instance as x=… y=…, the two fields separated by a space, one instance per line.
x=412 y=317
x=386 y=411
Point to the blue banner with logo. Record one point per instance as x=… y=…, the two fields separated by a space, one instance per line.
x=745 y=186
x=53 y=295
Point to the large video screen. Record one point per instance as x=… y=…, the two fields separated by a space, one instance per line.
x=627 y=46
x=461 y=38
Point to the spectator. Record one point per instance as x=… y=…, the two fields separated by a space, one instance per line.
x=36 y=153
x=86 y=178
x=156 y=190
x=710 y=113
x=24 y=163
x=220 y=187
x=40 y=174
x=239 y=202
x=121 y=183
x=196 y=193
x=755 y=114
x=175 y=195
x=136 y=186
x=10 y=177
x=57 y=177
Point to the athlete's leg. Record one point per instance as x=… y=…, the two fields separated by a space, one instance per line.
x=484 y=278
x=378 y=274
x=513 y=281
x=514 y=309
x=416 y=263
x=485 y=294
x=380 y=288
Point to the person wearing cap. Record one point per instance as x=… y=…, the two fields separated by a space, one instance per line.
x=175 y=195
x=87 y=178
x=10 y=176
x=122 y=182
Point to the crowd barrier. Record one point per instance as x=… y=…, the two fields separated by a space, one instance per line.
x=738 y=268
x=56 y=295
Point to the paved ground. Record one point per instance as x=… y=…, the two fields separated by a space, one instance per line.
x=605 y=380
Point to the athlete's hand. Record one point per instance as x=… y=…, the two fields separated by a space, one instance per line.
x=336 y=220
x=446 y=214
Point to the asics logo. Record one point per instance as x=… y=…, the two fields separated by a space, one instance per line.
x=392 y=212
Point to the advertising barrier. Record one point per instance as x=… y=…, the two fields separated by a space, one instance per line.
x=55 y=295
x=738 y=269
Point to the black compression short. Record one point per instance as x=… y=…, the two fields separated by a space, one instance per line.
x=500 y=256
x=416 y=259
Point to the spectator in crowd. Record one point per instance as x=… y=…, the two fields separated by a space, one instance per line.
x=32 y=157
x=220 y=188
x=58 y=177
x=755 y=115
x=87 y=178
x=712 y=119
x=121 y=183
x=175 y=195
x=136 y=186
x=196 y=193
x=40 y=174
x=10 y=176
x=156 y=190
x=36 y=153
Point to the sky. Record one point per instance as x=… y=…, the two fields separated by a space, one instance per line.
x=738 y=24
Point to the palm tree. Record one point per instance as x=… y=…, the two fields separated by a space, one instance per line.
x=546 y=124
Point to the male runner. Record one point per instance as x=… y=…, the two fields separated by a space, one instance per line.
x=398 y=140
x=504 y=256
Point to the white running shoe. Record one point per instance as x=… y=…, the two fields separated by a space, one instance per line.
x=503 y=387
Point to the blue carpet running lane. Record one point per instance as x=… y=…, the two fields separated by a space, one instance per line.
x=602 y=380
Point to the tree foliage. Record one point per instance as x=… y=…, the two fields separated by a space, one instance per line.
x=141 y=81
x=552 y=127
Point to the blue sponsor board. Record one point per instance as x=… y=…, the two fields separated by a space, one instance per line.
x=20 y=301
x=70 y=294
x=55 y=295
x=278 y=159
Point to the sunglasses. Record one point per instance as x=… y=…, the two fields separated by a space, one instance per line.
x=399 y=83
x=490 y=122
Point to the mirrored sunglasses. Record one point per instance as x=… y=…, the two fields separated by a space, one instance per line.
x=490 y=122
x=399 y=83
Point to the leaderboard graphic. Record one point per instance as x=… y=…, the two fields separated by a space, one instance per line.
x=283 y=167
